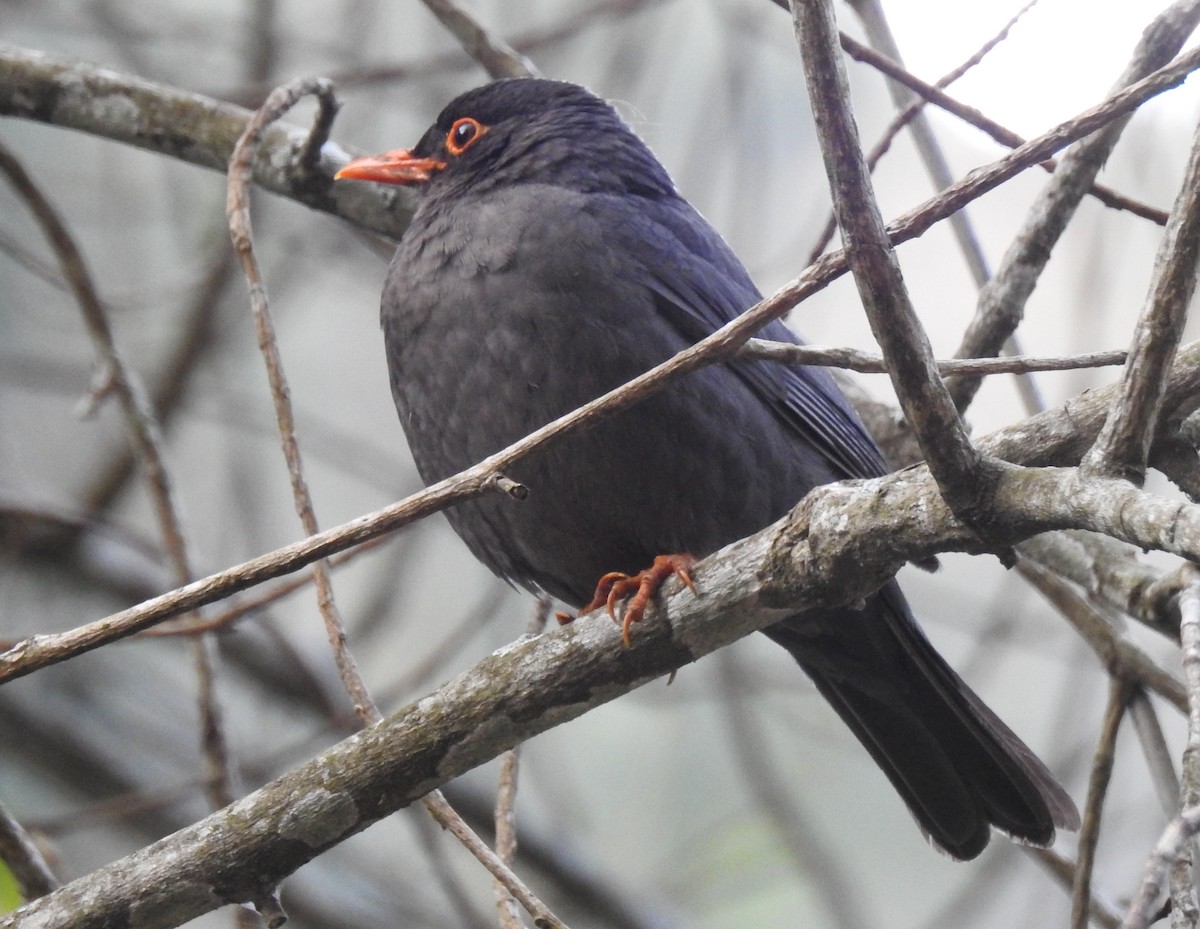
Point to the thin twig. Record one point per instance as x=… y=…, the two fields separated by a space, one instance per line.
x=909 y=113
x=244 y=607
x=1154 y=749
x=118 y=377
x=1063 y=870
x=432 y=839
x=870 y=12
x=1120 y=657
x=1182 y=872
x=505 y=816
x=366 y=75
x=853 y=359
x=933 y=94
x=1176 y=840
x=196 y=339
x=932 y=156
x=444 y=814
x=1089 y=832
x=238 y=208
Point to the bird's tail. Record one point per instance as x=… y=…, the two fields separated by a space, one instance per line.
x=957 y=766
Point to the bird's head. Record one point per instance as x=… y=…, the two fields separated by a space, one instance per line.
x=522 y=131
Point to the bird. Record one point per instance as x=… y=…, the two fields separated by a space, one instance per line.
x=550 y=259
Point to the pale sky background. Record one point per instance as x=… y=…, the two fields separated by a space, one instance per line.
x=1031 y=81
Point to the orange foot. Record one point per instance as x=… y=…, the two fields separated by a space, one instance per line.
x=643 y=585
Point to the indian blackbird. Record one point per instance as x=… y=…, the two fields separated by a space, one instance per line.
x=549 y=260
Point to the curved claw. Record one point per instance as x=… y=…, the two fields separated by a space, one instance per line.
x=615 y=586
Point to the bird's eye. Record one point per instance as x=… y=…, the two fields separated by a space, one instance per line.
x=463 y=134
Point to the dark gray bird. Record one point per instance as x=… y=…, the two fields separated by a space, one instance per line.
x=549 y=260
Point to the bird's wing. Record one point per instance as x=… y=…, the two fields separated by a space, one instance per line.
x=699 y=285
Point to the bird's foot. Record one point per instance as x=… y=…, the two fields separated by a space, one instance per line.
x=643 y=585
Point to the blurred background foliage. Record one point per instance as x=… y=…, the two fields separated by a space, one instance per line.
x=732 y=797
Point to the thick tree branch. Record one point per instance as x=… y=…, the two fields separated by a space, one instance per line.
x=189 y=127
x=842 y=540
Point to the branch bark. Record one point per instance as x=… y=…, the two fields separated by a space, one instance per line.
x=1123 y=446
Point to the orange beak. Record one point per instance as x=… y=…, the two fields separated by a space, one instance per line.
x=395 y=167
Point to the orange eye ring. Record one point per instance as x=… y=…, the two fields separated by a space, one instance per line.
x=463 y=134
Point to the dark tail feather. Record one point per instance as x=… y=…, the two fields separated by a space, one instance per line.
x=955 y=764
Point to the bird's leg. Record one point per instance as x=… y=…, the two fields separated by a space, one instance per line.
x=643 y=585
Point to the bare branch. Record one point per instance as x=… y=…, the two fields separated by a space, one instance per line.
x=505 y=815
x=1123 y=447
x=1177 y=839
x=1119 y=694
x=495 y=55
x=146 y=115
x=1182 y=875
x=1153 y=742
x=238 y=208
x=120 y=378
x=18 y=851
x=957 y=466
x=1063 y=870
x=363 y=75
x=853 y=359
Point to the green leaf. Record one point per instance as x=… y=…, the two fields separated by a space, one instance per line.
x=10 y=896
